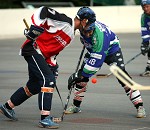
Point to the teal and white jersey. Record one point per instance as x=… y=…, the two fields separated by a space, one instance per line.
x=102 y=43
x=145 y=27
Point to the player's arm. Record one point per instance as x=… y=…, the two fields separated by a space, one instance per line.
x=87 y=70
x=93 y=64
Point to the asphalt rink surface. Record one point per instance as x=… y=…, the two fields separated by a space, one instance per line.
x=105 y=106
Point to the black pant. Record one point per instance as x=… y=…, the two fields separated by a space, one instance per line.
x=40 y=74
x=117 y=58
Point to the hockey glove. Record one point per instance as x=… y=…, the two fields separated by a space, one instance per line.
x=144 y=48
x=33 y=32
x=76 y=78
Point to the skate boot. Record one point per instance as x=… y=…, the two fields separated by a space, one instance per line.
x=141 y=112
x=48 y=123
x=146 y=73
x=72 y=109
x=8 y=113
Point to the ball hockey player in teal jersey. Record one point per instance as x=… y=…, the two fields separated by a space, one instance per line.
x=145 y=34
x=103 y=46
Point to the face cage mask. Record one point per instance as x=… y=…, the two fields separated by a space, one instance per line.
x=87 y=30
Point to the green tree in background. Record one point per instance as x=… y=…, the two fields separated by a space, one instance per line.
x=18 y=3
x=114 y=2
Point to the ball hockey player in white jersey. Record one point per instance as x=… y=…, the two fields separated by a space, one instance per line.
x=49 y=33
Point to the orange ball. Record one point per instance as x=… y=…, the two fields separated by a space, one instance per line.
x=94 y=80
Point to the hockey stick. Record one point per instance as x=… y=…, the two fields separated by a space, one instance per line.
x=25 y=22
x=133 y=58
x=107 y=75
x=69 y=94
x=126 y=79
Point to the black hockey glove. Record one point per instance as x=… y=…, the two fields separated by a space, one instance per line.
x=76 y=78
x=144 y=48
x=33 y=32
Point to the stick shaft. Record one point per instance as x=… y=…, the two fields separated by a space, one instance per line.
x=80 y=58
x=133 y=58
x=25 y=22
x=69 y=94
x=67 y=101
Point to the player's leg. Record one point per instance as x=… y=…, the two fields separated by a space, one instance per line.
x=46 y=81
x=146 y=73
x=134 y=95
x=38 y=78
x=19 y=96
x=79 y=92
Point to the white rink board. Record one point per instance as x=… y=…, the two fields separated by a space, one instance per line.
x=121 y=19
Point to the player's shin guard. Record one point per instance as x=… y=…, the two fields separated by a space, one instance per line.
x=21 y=95
x=45 y=100
x=79 y=93
x=134 y=96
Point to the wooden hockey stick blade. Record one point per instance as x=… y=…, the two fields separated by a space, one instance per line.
x=25 y=22
x=126 y=79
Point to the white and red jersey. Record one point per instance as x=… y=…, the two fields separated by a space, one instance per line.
x=58 y=33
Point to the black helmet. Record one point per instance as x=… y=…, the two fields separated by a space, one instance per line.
x=86 y=13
